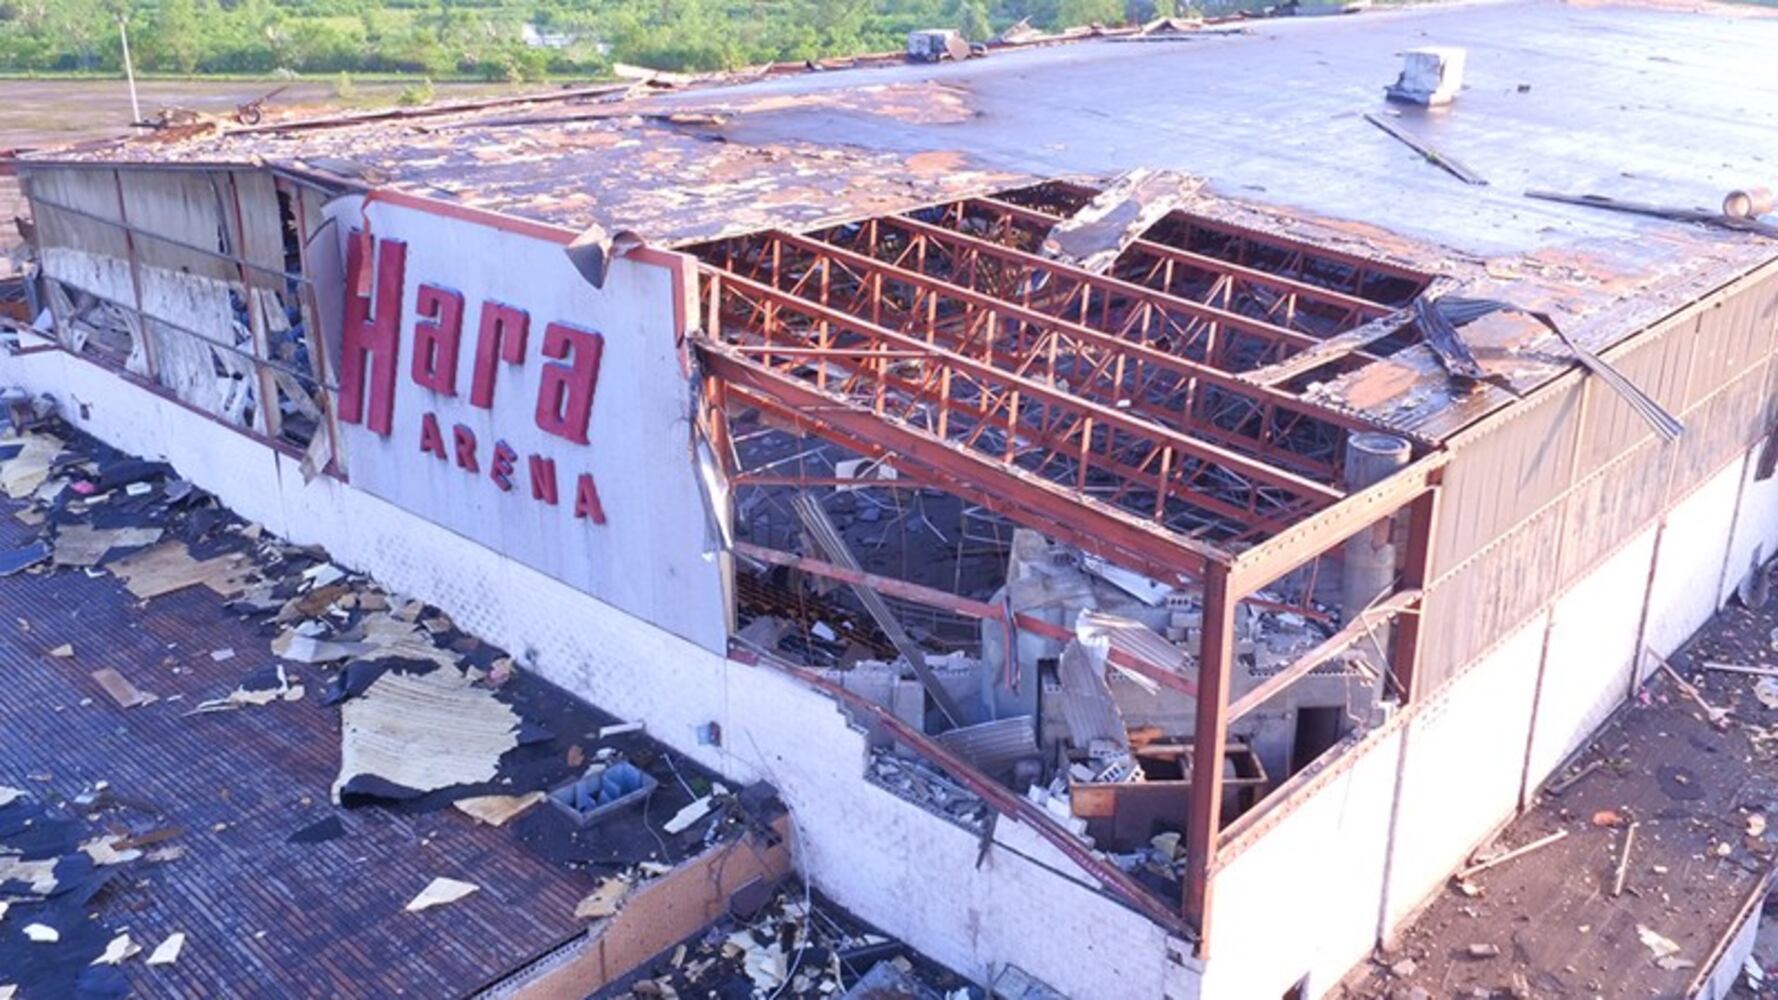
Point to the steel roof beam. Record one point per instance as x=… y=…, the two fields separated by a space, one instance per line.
x=1111 y=415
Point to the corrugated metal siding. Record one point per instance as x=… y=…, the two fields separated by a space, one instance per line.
x=1539 y=495
x=1519 y=465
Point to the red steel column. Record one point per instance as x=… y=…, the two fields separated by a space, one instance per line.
x=1211 y=735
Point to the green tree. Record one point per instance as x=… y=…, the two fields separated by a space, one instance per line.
x=971 y=18
x=173 y=37
x=1077 y=12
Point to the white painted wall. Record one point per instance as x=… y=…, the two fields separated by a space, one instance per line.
x=1448 y=817
x=1311 y=893
x=1302 y=901
x=1756 y=527
x=1688 y=577
x=653 y=557
x=1592 y=651
x=891 y=862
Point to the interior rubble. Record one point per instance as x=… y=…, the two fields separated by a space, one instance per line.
x=1052 y=663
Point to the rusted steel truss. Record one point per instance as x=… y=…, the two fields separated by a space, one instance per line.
x=1326 y=278
x=1110 y=411
x=1116 y=388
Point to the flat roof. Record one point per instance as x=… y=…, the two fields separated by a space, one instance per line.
x=215 y=798
x=1636 y=102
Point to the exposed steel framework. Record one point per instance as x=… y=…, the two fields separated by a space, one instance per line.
x=1111 y=411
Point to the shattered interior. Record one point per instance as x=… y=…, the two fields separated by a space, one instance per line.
x=194 y=280
x=981 y=487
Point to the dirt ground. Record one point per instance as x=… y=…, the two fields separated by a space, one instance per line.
x=39 y=113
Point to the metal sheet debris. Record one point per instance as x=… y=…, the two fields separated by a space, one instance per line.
x=1094 y=237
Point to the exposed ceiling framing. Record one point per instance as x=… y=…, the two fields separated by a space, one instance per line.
x=1108 y=410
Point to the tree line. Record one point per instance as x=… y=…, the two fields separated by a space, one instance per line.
x=495 y=39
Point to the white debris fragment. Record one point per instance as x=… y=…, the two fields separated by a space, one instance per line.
x=42 y=933
x=440 y=891
x=1662 y=947
x=167 y=952
x=120 y=949
x=685 y=817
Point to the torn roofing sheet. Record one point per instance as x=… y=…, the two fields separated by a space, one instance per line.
x=1581 y=98
x=412 y=733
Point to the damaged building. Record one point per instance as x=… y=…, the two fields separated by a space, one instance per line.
x=1152 y=504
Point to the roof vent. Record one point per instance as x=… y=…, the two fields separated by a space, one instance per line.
x=1429 y=76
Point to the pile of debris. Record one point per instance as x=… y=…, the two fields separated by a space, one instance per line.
x=921 y=783
x=792 y=944
x=51 y=866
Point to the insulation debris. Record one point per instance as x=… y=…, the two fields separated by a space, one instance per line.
x=120 y=689
x=439 y=892
x=118 y=950
x=85 y=545
x=495 y=810
x=691 y=813
x=169 y=567
x=263 y=686
x=23 y=473
x=409 y=734
x=606 y=899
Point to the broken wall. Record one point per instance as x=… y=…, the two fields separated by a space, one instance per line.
x=893 y=863
x=1567 y=538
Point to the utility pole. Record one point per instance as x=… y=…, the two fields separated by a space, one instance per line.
x=129 y=72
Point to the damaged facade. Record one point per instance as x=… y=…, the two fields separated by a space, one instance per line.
x=1150 y=587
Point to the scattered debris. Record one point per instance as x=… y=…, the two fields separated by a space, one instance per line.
x=1094 y=237
x=263 y=686
x=82 y=545
x=1661 y=947
x=1482 y=950
x=24 y=557
x=120 y=948
x=693 y=811
x=169 y=567
x=63 y=652
x=605 y=900
x=1717 y=716
x=1517 y=852
x=439 y=892
x=1703 y=216
x=120 y=689
x=167 y=952
x=319 y=832
x=1558 y=787
x=1623 y=861
x=413 y=733
x=1737 y=668
x=933 y=45
x=495 y=810
x=1430 y=76
x=1442 y=160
